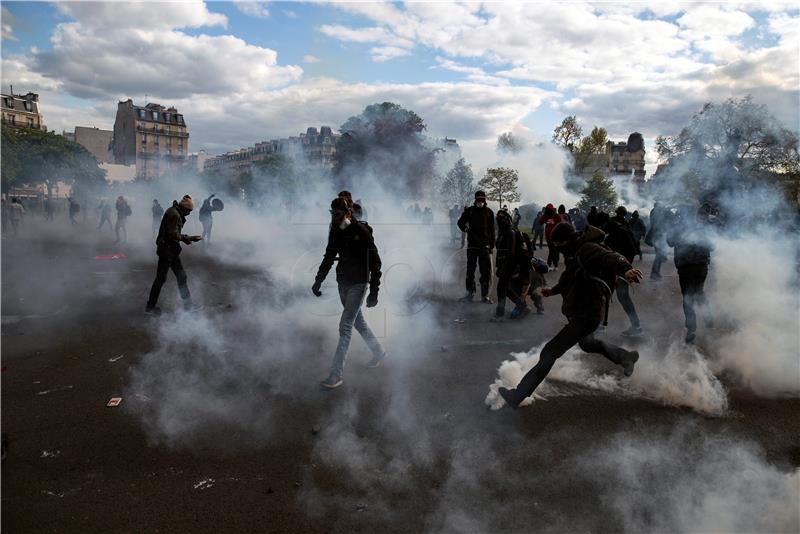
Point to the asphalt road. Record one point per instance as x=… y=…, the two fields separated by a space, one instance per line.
x=407 y=447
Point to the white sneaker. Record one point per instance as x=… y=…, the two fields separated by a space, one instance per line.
x=332 y=382
x=376 y=361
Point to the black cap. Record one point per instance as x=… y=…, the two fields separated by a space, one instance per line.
x=480 y=194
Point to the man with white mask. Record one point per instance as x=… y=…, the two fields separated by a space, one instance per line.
x=359 y=266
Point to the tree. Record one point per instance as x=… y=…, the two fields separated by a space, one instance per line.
x=500 y=184
x=590 y=155
x=508 y=143
x=33 y=157
x=733 y=145
x=385 y=142
x=458 y=185
x=599 y=191
x=568 y=133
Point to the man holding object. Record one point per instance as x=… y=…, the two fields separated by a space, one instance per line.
x=359 y=265
x=168 y=249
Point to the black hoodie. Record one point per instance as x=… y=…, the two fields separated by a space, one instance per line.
x=359 y=261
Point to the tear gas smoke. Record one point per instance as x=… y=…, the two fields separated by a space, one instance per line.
x=679 y=377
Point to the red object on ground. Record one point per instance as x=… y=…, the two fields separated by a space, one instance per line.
x=114 y=256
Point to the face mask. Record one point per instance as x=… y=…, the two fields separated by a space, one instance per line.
x=344 y=224
x=480 y=204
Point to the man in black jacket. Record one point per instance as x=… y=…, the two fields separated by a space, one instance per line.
x=359 y=265
x=513 y=268
x=168 y=248
x=585 y=286
x=478 y=223
x=619 y=238
x=692 y=257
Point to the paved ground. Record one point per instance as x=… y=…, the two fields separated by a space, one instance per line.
x=222 y=427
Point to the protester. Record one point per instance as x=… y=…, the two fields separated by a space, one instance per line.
x=592 y=217
x=359 y=266
x=359 y=212
x=478 y=223
x=49 y=209
x=619 y=238
x=515 y=219
x=692 y=256
x=656 y=238
x=513 y=268
x=74 y=209
x=105 y=215
x=578 y=219
x=639 y=230
x=158 y=212
x=538 y=230
x=206 y=218
x=550 y=218
x=123 y=212
x=453 y=214
x=16 y=214
x=585 y=284
x=168 y=250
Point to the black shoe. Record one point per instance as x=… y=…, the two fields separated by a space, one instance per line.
x=519 y=312
x=486 y=300
x=631 y=358
x=510 y=396
x=633 y=331
x=690 y=337
x=154 y=311
x=467 y=298
x=539 y=311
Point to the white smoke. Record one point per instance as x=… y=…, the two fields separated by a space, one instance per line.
x=679 y=376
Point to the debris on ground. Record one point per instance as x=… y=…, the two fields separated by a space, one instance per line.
x=60 y=388
x=204 y=484
x=116 y=358
x=460 y=321
x=315 y=429
x=445 y=349
x=50 y=454
x=114 y=401
x=113 y=256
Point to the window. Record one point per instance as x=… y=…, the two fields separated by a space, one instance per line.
x=144 y=138
x=13 y=119
x=30 y=123
x=141 y=114
x=155 y=115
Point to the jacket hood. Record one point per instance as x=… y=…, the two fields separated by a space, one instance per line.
x=592 y=234
x=549 y=207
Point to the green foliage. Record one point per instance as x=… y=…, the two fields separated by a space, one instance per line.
x=458 y=185
x=735 y=144
x=590 y=154
x=32 y=157
x=599 y=191
x=568 y=133
x=508 y=143
x=385 y=142
x=500 y=184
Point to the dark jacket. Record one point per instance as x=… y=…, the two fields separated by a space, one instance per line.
x=589 y=276
x=359 y=261
x=638 y=228
x=158 y=211
x=479 y=225
x=619 y=237
x=512 y=257
x=169 y=239
x=692 y=247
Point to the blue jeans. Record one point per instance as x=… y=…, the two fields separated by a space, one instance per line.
x=352 y=297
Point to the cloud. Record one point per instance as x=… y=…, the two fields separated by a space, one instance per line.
x=9 y=21
x=92 y=57
x=385 y=53
x=308 y=58
x=250 y=8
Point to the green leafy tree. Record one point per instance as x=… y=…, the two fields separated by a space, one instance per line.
x=385 y=142
x=508 y=143
x=500 y=184
x=459 y=184
x=568 y=133
x=599 y=191
x=32 y=157
x=590 y=155
x=735 y=144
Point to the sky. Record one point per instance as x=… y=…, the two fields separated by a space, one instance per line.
x=244 y=72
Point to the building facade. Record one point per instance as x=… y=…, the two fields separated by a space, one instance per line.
x=96 y=141
x=21 y=111
x=153 y=138
x=626 y=158
x=313 y=147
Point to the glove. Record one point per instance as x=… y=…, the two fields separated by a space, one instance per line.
x=316 y=288
x=372 y=298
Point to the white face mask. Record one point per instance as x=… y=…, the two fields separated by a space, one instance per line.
x=344 y=224
x=480 y=204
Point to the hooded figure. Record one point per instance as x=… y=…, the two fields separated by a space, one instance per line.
x=513 y=271
x=168 y=249
x=206 y=218
x=619 y=238
x=478 y=223
x=585 y=286
x=157 y=212
x=550 y=218
x=359 y=267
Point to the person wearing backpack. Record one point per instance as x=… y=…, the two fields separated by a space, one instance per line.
x=478 y=223
x=619 y=238
x=513 y=268
x=359 y=267
x=585 y=286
